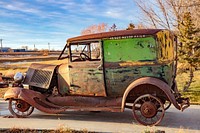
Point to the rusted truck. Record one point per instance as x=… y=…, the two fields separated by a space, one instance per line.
x=109 y=71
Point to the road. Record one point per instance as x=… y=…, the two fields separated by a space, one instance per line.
x=174 y=121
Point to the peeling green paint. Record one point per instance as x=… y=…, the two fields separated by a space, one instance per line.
x=131 y=49
x=129 y=59
x=118 y=79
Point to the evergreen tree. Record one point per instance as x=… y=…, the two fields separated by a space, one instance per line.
x=189 y=48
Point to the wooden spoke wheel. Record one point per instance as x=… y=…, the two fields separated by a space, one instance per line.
x=148 y=110
x=20 y=108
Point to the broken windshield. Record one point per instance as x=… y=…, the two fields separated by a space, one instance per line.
x=85 y=51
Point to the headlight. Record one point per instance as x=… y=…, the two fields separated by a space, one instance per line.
x=18 y=77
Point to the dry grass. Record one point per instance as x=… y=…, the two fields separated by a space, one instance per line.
x=2 y=92
x=59 y=130
x=11 y=69
x=194 y=91
x=157 y=131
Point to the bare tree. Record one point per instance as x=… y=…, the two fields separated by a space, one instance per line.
x=113 y=27
x=171 y=14
x=167 y=13
x=131 y=26
x=94 y=29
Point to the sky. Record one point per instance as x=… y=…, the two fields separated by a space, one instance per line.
x=48 y=23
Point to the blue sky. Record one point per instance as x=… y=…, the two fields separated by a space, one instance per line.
x=39 y=22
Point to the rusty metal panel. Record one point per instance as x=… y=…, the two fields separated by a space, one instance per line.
x=63 y=79
x=166 y=46
x=58 y=104
x=87 y=78
x=135 y=32
x=39 y=75
x=118 y=78
x=85 y=101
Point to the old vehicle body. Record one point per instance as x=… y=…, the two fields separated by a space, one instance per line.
x=108 y=71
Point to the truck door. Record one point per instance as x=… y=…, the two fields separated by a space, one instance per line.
x=85 y=69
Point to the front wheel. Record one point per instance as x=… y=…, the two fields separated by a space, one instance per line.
x=20 y=108
x=148 y=110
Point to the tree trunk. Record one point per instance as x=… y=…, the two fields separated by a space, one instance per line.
x=188 y=83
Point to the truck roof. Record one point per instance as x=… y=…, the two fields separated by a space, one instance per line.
x=115 y=34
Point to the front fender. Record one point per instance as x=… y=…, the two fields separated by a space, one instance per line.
x=13 y=93
x=33 y=98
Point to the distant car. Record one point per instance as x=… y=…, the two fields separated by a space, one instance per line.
x=108 y=71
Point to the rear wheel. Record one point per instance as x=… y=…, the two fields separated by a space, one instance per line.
x=20 y=108
x=148 y=110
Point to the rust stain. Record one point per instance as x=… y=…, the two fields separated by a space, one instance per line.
x=166 y=46
x=115 y=34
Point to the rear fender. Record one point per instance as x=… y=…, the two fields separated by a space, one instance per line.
x=152 y=81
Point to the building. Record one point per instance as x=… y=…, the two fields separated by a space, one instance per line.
x=19 y=50
x=8 y=49
x=5 y=49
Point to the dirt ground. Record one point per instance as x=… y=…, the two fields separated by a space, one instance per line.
x=9 y=70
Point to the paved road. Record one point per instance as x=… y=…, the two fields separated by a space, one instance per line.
x=173 y=122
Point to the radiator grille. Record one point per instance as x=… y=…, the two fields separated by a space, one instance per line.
x=41 y=77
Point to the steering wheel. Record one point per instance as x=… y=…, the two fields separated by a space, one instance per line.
x=83 y=56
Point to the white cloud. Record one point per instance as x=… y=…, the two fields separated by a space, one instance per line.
x=46 y=21
x=19 y=6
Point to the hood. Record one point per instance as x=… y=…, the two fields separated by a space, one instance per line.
x=39 y=75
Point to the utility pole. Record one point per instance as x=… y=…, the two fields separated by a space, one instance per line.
x=1 y=40
x=34 y=47
x=49 y=46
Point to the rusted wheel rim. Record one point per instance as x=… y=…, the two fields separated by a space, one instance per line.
x=20 y=108
x=148 y=110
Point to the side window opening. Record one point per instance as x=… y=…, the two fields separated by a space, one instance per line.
x=85 y=51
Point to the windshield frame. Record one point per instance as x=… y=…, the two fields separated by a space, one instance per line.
x=88 y=49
